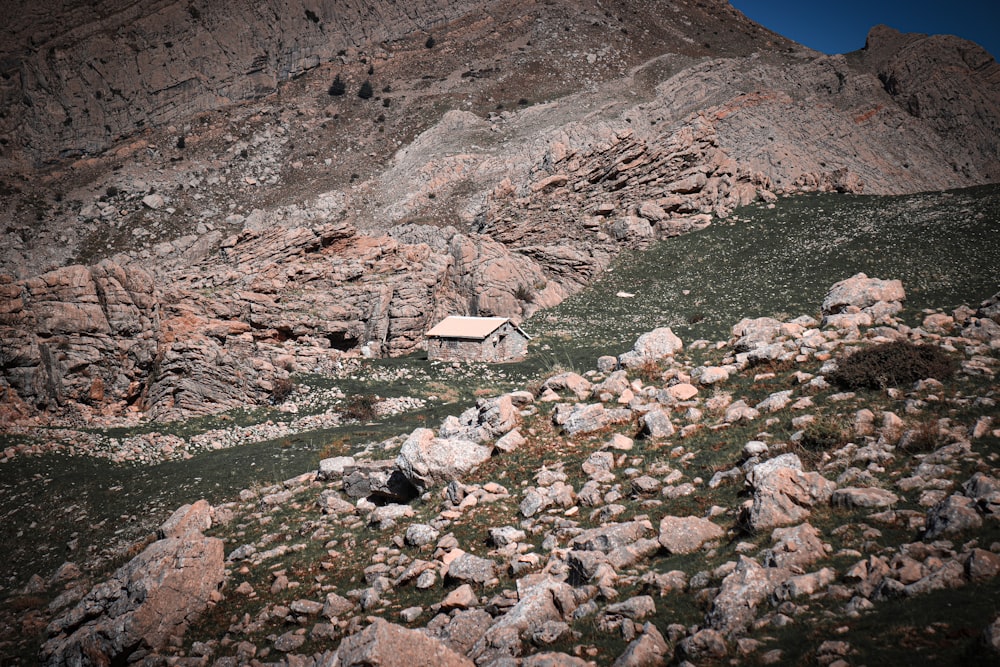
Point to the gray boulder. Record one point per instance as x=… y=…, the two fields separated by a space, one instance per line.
x=427 y=461
x=652 y=346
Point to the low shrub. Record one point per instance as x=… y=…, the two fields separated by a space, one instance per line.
x=338 y=87
x=824 y=433
x=282 y=389
x=524 y=293
x=361 y=408
x=922 y=438
x=894 y=364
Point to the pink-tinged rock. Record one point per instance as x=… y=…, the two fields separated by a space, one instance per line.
x=553 y=659
x=384 y=644
x=657 y=424
x=149 y=600
x=848 y=320
x=194 y=518
x=545 y=600
x=683 y=391
x=863 y=497
x=706 y=645
x=740 y=412
x=710 y=375
x=982 y=564
x=579 y=385
x=553 y=181
x=652 y=211
x=686 y=535
x=949 y=575
x=751 y=334
x=805 y=584
x=578 y=418
x=776 y=401
x=647 y=650
x=462 y=597
x=783 y=493
x=610 y=537
x=938 y=323
x=510 y=441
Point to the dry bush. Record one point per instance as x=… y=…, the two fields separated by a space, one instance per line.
x=360 y=407
x=282 y=389
x=825 y=433
x=924 y=437
x=895 y=364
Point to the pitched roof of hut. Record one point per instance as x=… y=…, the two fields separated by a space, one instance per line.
x=475 y=328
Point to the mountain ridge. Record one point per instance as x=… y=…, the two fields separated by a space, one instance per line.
x=456 y=194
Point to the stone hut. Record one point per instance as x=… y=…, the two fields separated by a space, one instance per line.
x=492 y=339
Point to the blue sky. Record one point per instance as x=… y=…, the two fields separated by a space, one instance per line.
x=841 y=27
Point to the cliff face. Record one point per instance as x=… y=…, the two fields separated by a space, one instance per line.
x=78 y=76
x=946 y=84
x=495 y=169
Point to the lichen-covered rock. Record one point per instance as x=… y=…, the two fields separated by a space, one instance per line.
x=863 y=497
x=954 y=515
x=647 y=650
x=741 y=593
x=610 y=537
x=546 y=600
x=795 y=547
x=750 y=334
x=579 y=418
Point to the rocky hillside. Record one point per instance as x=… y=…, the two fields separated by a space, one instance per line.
x=767 y=499
x=238 y=220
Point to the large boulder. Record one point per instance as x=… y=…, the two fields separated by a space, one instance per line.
x=149 y=600
x=652 y=346
x=861 y=294
x=426 y=460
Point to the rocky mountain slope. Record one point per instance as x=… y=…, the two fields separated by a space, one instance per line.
x=237 y=221
x=686 y=502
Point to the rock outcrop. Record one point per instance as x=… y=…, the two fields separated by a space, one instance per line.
x=148 y=602
x=84 y=334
